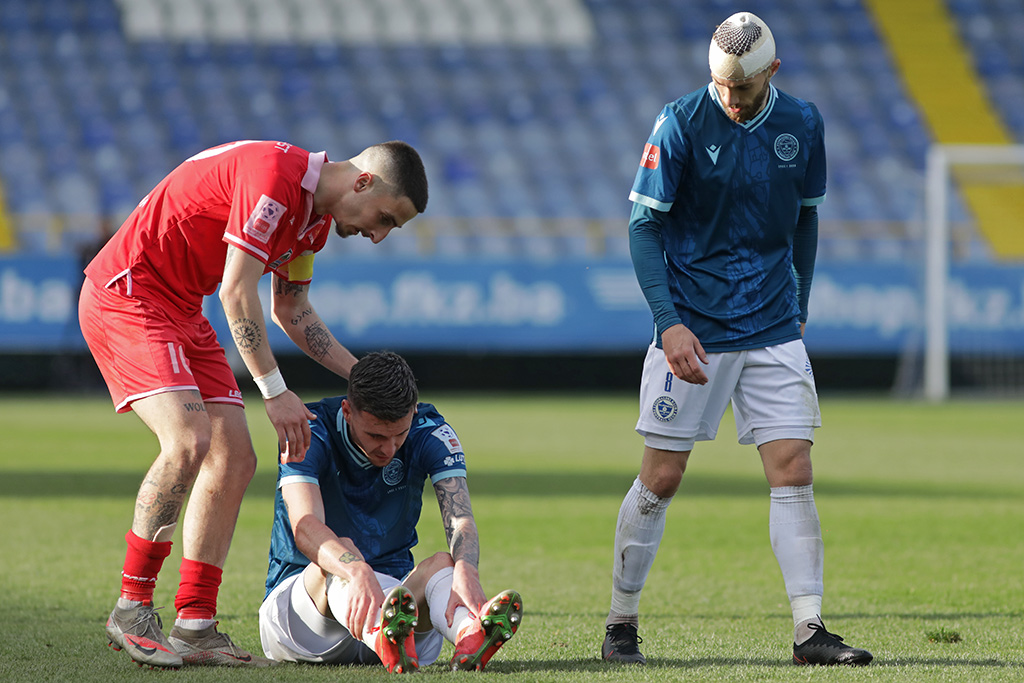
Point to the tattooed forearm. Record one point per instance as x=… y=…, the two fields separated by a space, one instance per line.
x=453 y=498
x=349 y=558
x=246 y=334
x=319 y=340
x=457 y=517
x=466 y=547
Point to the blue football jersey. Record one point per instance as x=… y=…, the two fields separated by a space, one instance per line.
x=377 y=508
x=729 y=196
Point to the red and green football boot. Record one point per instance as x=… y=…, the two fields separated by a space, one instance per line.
x=499 y=619
x=396 y=645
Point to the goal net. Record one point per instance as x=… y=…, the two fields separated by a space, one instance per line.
x=974 y=304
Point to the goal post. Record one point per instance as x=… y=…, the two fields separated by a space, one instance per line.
x=938 y=174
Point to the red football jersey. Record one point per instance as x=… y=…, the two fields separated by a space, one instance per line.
x=255 y=195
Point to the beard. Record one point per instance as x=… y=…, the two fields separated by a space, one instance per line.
x=748 y=112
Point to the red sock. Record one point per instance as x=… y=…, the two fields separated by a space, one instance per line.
x=142 y=563
x=197 y=592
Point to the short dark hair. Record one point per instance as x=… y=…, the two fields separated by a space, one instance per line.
x=405 y=170
x=382 y=384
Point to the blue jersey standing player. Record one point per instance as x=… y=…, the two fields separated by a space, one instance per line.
x=723 y=235
x=342 y=587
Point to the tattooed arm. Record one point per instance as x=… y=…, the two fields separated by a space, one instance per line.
x=239 y=294
x=333 y=554
x=294 y=314
x=463 y=542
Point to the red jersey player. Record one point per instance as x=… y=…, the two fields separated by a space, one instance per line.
x=226 y=216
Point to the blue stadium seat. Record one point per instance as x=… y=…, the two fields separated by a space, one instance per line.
x=16 y=16
x=516 y=131
x=58 y=15
x=101 y=17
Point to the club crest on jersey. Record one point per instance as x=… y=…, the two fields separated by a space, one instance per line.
x=394 y=472
x=786 y=147
x=652 y=155
x=665 y=408
x=264 y=219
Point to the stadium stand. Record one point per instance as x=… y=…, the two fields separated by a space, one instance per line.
x=936 y=65
x=530 y=114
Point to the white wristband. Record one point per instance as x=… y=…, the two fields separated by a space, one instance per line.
x=271 y=384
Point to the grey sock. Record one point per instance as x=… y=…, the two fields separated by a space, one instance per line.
x=803 y=630
x=623 y=619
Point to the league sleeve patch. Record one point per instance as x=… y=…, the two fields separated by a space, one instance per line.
x=264 y=218
x=449 y=438
x=652 y=155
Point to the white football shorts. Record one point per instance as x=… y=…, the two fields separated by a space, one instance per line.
x=771 y=389
x=293 y=630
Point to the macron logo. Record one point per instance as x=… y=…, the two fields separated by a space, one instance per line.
x=713 y=151
x=657 y=124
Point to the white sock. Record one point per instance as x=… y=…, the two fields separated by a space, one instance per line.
x=438 y=590
x=806 y=611
x=337 y=600
x=795 y=534
x=638 y=533
x=194 y=624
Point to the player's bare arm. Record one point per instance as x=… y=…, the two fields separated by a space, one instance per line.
x=331 y=553
x=463 y=542
x=295 y=315
x=684 y=354
x=457 y=517
x=239 y=294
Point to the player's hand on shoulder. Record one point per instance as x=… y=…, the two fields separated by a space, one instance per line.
x=684 y=354
x=290 y=418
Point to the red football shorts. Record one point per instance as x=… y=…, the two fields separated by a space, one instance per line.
x=142 y=351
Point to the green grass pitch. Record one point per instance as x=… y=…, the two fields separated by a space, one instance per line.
x=922 y=511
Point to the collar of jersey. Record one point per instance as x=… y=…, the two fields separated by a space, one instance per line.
x=762 y=116
x=352 y=451
x=314 y=165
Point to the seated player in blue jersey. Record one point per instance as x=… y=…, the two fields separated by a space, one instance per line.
x=723 y=235
x=342 y=587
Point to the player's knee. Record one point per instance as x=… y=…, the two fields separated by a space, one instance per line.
x=189 y=448
x=233 y=469
x=437 y=562
x=423 y=572
x=662 y=471
x=663 y=479
x=787 y=462
x=665 y=486
x=243 y=464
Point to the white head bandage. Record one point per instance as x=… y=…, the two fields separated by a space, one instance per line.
x=742 y=47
